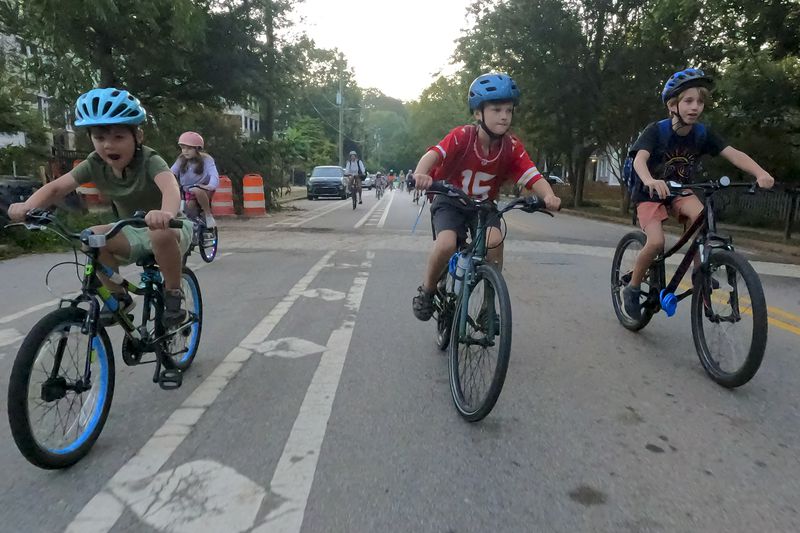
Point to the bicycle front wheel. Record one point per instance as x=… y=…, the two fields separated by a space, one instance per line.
x=209 y=240
x=60 y=390
x=729 y=319
x=480 y=344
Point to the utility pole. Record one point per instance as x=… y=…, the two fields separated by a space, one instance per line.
x=340 y=103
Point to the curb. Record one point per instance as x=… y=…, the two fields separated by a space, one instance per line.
x=779 y=249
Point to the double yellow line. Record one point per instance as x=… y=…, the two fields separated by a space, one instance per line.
x=775 y=315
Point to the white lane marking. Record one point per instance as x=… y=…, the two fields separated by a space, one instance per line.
x=33 y=309
x=290 y=348
x=197 y=496
x=126 y=273
x=328 y=295
x=386 y=212
x=320 y=212
x=294 y=474
x=369 y=214
x=10 y=336
x=103 y=510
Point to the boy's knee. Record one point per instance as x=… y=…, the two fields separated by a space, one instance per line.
x=162 y=237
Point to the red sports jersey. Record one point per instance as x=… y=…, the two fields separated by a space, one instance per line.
x=481 y=177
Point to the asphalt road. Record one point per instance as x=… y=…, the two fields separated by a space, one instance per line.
x=317 y=401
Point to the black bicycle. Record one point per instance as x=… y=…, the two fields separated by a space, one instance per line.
x=472 y=308
x=204 y=238
x=62 y=381
x=728 y=309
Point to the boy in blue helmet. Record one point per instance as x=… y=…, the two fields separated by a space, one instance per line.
x=477 y=159
x=134 y=178
x=670 y=151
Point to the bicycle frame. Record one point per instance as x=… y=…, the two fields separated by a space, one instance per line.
x=705 y=241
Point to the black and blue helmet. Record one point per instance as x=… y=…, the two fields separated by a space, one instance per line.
x=685 y=79
x=492 y=87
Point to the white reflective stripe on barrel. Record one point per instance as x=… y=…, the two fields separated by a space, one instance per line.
x=254 y=203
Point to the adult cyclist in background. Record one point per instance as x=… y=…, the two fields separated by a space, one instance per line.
x=197 y=174
x=354 y=168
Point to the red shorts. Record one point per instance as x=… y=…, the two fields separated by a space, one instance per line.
x=648 y=212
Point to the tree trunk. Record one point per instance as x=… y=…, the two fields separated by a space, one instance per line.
x=269 y=103
x=104 y=59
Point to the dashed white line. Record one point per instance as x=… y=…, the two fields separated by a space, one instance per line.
x=386 y=212
x=369 y=214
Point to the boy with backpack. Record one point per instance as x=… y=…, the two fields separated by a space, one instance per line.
x=670 y=150
x=478 y=159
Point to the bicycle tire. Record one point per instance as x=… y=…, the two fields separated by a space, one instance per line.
x=758 y=340
x=189 y=281
x=617 y=284
x=468 y=411
x=353 y=195
x=208 y=253
x=19 y=415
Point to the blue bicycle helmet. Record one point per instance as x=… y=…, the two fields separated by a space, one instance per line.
x=685 y=79
x=105 y=107
x=492 y=88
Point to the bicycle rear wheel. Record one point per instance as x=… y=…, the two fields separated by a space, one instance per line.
x=354 y=195
x=625 y=256
x=55 y=409
x=729 y=319
x=480 y=344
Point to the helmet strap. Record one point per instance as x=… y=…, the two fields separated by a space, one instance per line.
x=681 y=124
x=493 y=136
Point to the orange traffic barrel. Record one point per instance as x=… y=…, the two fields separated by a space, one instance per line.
x=90 y=194
x=222 y=201
x=254 y=201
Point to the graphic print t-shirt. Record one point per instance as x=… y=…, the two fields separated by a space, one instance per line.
x=477 y=175
x=680 y=160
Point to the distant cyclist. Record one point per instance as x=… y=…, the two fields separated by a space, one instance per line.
x=410 y=181
x=197 y=173
x=355 y=169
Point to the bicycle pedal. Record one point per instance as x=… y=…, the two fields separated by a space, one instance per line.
x=170 y=379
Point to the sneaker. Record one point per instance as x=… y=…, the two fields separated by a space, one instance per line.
x=631 y=297
x=423 y=304
x=174 y=313
x=210 y=222
x=109 y=317
x=360 y=202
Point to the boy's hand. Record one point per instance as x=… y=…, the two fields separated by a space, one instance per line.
x=657 y=186
x=17 y=212
x=158 y=219
x=765 y=181
x=552 y=202
x=423 y=181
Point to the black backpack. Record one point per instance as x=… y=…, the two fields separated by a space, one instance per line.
x=630 y=178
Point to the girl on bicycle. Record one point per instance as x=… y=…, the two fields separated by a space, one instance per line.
x=675 y=158
x=197 y=173
x=478 y=159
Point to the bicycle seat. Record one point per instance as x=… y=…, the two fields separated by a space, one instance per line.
x=148 y=261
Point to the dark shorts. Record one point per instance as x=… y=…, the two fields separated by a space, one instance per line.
x=449 y=213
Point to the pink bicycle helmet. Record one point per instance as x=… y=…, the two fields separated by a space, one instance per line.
x=191 y=138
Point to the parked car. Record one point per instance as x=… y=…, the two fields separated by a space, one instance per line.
x=327 y=181
x=369 y=182
x=555 y=180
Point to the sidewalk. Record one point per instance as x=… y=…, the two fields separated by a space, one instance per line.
x=760 y=239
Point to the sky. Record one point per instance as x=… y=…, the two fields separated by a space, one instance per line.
x=395 y=46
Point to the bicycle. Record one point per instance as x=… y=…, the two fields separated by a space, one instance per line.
x=203 y=237
x=472 y=308
x=353 y=190
x=720 y=269
x=62 y=379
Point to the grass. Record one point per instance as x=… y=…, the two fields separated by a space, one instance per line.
x=18 y=240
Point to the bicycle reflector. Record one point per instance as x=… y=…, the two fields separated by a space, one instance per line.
x=669 y=302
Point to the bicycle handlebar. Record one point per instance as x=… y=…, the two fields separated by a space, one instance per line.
x=713 y=185
x=529 y=204
x=40 y=218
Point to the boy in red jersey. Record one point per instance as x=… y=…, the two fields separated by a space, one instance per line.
x=477 y=159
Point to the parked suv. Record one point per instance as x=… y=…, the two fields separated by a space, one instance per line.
x=327 y=181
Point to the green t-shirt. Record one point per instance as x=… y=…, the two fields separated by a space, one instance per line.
x=136 y=190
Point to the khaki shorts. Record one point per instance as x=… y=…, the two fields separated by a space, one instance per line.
x=648 y=212
x=139 y=241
